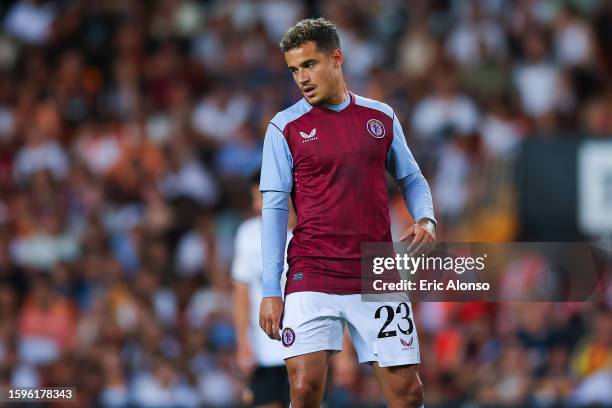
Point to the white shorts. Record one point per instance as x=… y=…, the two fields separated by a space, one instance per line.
x=381 y=331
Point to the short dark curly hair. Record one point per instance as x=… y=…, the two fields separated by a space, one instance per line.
x=319 y=30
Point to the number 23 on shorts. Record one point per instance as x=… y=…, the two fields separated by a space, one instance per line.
x=396 y=336
x=402 y=310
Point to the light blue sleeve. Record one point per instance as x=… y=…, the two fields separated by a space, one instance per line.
x=400 y=161
x=277 y=164
x=406 y=172
x=417 y=196
x=275 y=216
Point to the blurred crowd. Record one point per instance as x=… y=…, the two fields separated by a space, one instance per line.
x=128 y=132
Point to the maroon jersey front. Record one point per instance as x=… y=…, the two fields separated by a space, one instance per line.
x=339 y=192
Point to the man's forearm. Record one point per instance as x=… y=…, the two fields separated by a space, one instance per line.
x=241 y=311
x=417 y=196
x=275 y=216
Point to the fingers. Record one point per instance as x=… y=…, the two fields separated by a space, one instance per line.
x=422 y=242
x=270 y=326
x=424 y=246
x=267 y=327
x=409 y=232
x=418 y=237
x=275 y=330
x=272 y=329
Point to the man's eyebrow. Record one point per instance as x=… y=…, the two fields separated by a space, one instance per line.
x=302 y=64
x=308 y=61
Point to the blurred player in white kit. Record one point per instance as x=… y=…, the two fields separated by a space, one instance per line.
x=258 y=357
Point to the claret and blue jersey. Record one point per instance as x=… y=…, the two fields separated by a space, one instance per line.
x=332 y=161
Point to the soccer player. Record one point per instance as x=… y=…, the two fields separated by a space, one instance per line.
x=329 y=153
x=257 y=356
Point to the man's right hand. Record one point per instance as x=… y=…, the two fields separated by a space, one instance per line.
x=270 y=312
x=245 y=358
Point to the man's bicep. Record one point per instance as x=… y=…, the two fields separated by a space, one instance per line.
x=277 y=165
x=400 y=161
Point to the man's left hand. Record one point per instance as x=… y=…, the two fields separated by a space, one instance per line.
x=422 y=237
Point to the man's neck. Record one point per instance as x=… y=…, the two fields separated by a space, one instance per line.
x=339 y=97
x=338 y=106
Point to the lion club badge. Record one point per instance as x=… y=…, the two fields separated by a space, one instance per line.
x=288 y=337
x=376 y=128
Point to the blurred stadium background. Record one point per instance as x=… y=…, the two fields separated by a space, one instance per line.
x=128 y=131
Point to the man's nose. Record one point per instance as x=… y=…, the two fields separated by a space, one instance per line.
x=303 y=77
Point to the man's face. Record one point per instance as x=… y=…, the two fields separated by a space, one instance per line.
x=316 y=72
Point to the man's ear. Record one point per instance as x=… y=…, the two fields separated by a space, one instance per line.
x=337 y=58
